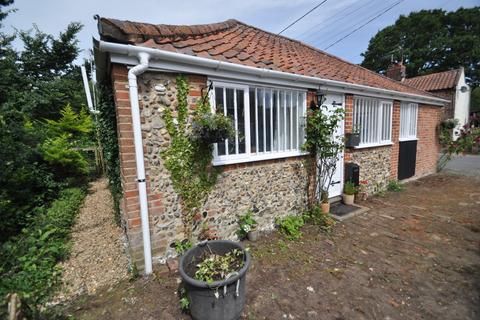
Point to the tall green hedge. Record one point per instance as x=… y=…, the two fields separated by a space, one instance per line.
x=29 y=260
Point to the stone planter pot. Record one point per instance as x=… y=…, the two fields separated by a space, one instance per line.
x=219 y=300
x=352 y=140
x=325 y=207
x=348 y=199
x=252 y=235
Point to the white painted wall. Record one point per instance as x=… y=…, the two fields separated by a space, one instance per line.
x=462 y=103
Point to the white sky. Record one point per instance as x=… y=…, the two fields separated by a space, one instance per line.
x=323 y=26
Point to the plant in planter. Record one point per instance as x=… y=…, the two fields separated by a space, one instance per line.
x=349 y=191
x=214 y=275
x=210 y=128
x=325 y=203
x=247 y=227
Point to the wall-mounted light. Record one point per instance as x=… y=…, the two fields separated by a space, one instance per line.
x=463 y=89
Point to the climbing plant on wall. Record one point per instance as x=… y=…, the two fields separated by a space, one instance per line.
x=188 y=158
x=322 y=144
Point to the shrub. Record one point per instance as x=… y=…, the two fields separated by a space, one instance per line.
x=290 y=226
x=317 y=217
x=28 y=261
x=349 y=188
x=394 y=185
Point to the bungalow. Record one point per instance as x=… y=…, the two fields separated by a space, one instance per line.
x=265 y=83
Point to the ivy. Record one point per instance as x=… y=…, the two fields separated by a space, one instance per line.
x=106 y=122
x=188 y=160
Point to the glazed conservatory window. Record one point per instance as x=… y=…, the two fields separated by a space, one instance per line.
x=373 y=119
x=269 y=122
x=408 y=121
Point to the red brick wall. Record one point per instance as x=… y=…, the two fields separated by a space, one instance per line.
x=395 y=137
x=428 y=147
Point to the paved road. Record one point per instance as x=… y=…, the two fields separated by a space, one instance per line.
x=466 y=165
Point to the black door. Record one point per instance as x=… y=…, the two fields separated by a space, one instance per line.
x=407 y=157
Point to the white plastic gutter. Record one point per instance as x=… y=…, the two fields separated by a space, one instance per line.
x=130 y=50
x=137 y=136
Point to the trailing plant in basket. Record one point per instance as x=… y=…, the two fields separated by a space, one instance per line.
x=212 y=128
x=188 y=158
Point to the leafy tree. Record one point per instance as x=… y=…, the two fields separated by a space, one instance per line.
x=35 y=84
x=475 y=103
x=429 y=41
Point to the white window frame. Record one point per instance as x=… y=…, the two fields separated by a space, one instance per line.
x=248 y=156
x=408 y=129
x=375 y=109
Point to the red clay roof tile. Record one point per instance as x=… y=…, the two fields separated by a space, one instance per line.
x=435 y=81
x=240 y=43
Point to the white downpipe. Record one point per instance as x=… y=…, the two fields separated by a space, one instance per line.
x=137 y=135
x=86 y=86
x=131 y=50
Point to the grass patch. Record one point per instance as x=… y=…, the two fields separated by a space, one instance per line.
x=28 y=261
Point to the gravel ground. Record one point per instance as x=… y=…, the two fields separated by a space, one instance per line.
x=97 y=258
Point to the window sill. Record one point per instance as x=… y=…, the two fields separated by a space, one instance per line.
x=258 y=157
x=374 y=145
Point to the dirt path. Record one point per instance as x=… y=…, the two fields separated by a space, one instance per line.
x=414 y=255
x=97 y=258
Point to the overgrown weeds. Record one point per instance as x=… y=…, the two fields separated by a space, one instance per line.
x=290 y=226
x=29 y=261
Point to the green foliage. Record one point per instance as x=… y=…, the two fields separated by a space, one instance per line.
x=216 y=267
x=454 y=43
x=468 y=137
x=349 y=188
x=34 y=85
x=211 y=128
x=106 y=123
x=26 y=181
x=290 y=226
x=316 y=217
x=184 y=304
x=187 y=159
x=28 y=261
x=246 y=223
x=395 y=186
x=322 y=143
x=65 y=136
x=182 y=246
x=475 y=100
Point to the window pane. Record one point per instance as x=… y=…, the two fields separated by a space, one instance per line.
x=253 y=134
x=268 y=119
x=275 y=120
x=260 y=125
x=301 y=120
x=282 y=120
x=241 y=121
x=231 y=114
x=288 y=123
x=219 y=108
